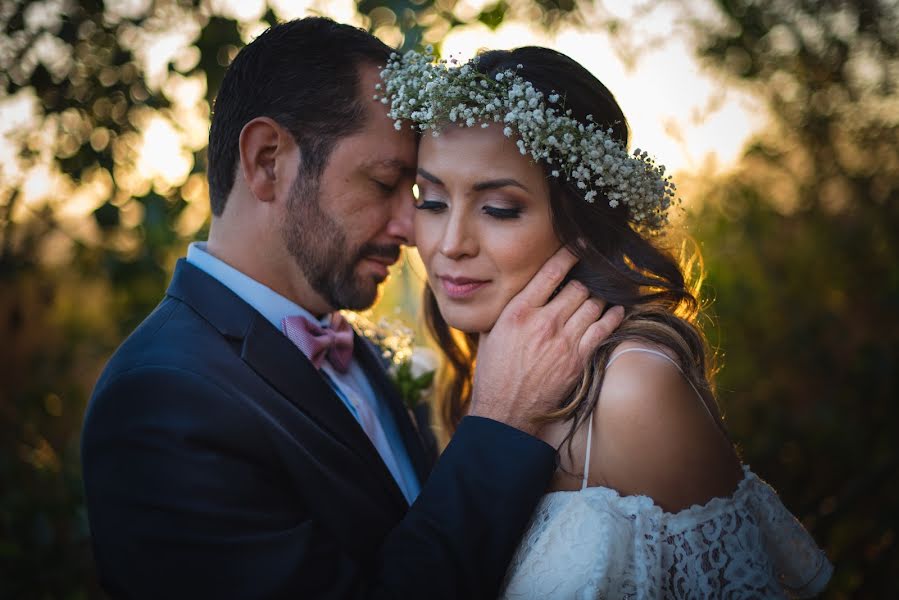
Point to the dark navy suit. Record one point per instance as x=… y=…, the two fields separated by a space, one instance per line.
x=218 y=463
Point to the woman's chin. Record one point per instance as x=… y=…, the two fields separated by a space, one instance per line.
x=468 y=323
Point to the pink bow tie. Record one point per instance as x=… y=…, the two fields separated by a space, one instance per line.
x=334 y=343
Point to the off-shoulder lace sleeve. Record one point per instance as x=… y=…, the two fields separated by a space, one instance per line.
x=745 y=546
x=594 y=543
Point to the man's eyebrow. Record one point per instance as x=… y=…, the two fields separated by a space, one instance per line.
x=393 y=163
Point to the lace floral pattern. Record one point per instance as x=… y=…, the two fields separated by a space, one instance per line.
x=594 y=543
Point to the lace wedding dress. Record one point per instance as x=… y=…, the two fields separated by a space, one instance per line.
x=594 y=543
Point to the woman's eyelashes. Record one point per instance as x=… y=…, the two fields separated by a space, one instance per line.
x=491 y=210
x=430 y=205
x=502 y=213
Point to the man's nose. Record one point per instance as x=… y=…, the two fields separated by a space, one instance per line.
x=402 y=211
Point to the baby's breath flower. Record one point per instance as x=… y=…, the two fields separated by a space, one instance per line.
x=429 y=93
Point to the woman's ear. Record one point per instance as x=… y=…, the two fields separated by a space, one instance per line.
x=265 y=147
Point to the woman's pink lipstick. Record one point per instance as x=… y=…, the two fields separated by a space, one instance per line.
x=461 y=287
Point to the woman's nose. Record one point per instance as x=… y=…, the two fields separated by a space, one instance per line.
x=459 y=239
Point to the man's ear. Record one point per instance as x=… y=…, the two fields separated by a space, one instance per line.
x=265 y=148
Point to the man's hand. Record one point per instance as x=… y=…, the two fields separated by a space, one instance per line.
x=539 y=348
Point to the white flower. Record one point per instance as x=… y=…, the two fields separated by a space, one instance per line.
x=423 y=360
x=430 y=93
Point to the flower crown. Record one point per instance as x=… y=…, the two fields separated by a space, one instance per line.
x=429 y=93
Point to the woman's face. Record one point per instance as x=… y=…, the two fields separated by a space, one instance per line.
x=483 y=225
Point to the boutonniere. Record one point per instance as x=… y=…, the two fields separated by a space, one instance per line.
x=410 y=367
x=415 y=375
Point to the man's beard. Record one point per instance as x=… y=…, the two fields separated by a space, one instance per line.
x=319 y=245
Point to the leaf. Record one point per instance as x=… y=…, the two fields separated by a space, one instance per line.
x=493 y=16
x=425 y=380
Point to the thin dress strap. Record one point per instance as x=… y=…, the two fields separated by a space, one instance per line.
x=613 y=358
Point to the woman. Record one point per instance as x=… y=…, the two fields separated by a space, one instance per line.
x=524 y=151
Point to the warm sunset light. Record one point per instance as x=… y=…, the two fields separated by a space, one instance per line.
x=677 y=112
x=160 y=157
x=213 y=409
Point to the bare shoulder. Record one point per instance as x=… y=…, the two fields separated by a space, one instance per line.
x=654 y=436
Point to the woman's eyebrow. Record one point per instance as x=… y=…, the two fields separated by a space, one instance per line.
x=480 y=186
x=498 y=183
x=430 y=177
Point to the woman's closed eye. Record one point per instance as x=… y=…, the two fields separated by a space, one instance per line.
x=496 y=212
x=502 y=213
x=430 y=205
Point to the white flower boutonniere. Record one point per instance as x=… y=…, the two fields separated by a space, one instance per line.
x=410 y=367
x=415 y=375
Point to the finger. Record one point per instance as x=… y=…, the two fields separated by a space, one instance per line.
x=597 y=333
x=585 y=315
x=550 y=276
x=567 y=301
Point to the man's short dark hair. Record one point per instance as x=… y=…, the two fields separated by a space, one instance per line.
x=303 y=74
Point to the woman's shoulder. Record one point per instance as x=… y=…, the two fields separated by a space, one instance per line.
x=644 y=385
x=655 y=436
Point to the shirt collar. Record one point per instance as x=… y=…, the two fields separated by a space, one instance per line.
x=270 y=304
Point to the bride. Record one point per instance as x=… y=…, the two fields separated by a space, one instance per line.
x=522 y=152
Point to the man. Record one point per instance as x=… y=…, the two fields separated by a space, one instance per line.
x=235 y=446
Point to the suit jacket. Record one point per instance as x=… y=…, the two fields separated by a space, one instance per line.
x=218 y=463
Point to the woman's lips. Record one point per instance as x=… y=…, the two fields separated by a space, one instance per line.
x=461 y=287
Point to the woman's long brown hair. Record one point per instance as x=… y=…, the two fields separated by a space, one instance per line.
x=658 y=287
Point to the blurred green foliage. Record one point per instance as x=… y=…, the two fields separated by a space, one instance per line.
x=801 y=247
x=800 y=244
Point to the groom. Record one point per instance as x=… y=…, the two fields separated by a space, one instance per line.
x=243 y=442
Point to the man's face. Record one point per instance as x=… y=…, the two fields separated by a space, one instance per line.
x=345 y=229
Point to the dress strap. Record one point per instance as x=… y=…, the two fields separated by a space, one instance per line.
x=612 y=359
x=587 y=457
x=669 y=359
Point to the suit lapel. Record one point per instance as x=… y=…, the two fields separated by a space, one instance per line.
x=280 y=363
x=372 y=364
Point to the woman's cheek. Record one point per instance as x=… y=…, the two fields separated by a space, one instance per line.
x=425 y=239
x=526 y=255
